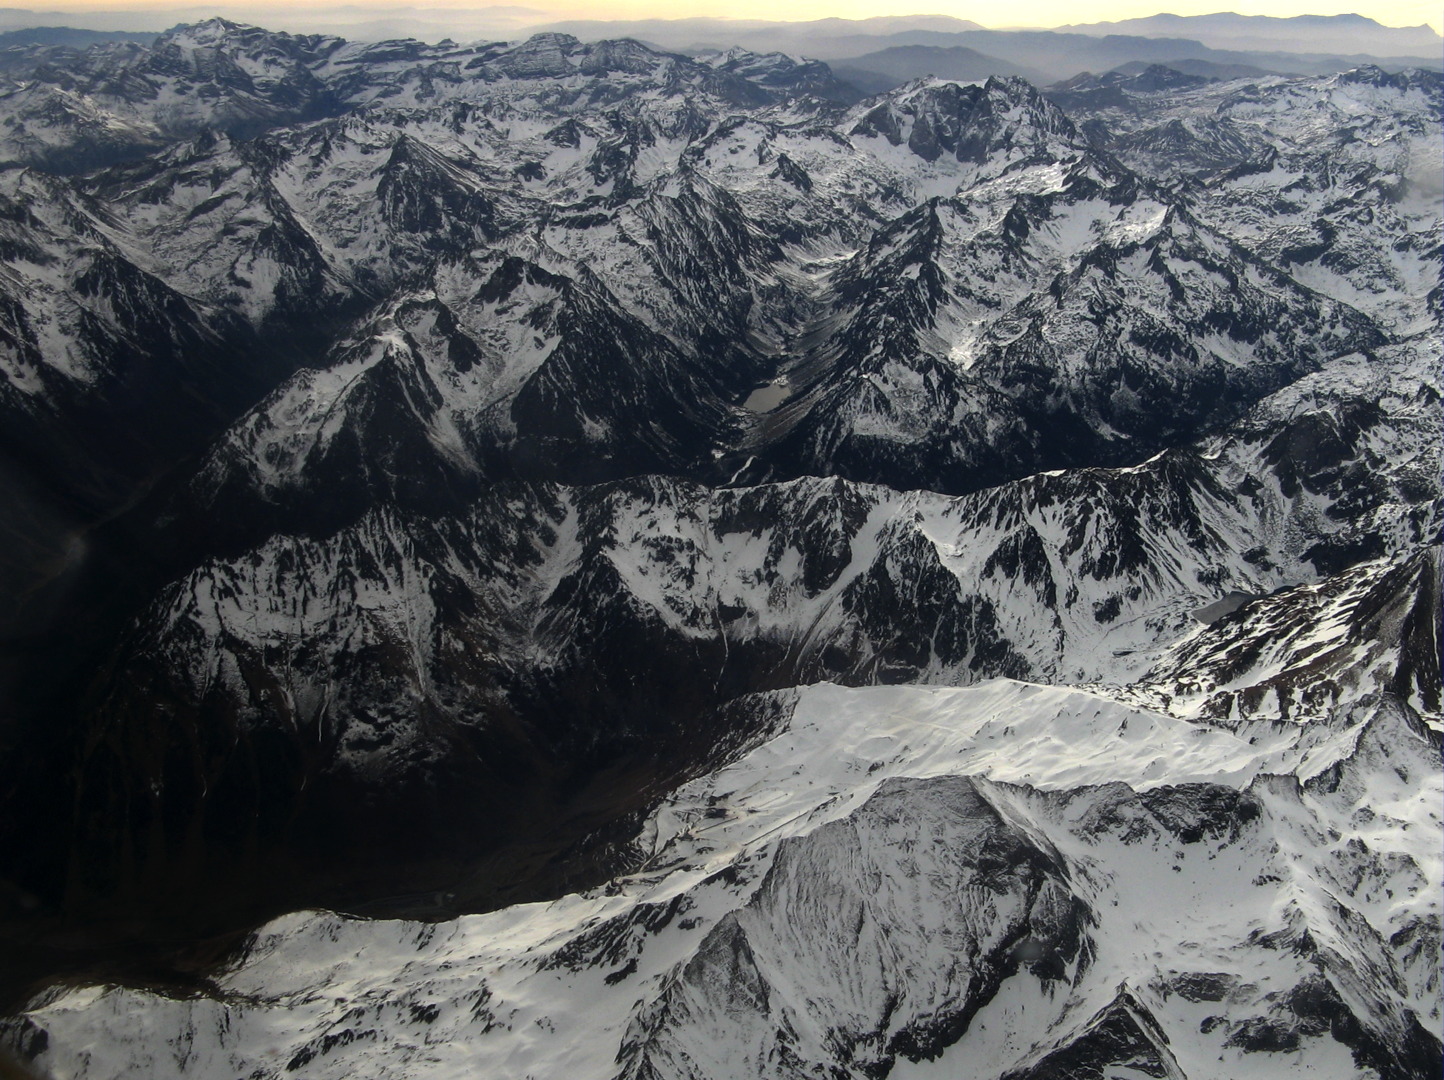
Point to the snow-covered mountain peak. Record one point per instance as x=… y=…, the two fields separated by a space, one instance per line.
x=211 y=32
x=1002 y=121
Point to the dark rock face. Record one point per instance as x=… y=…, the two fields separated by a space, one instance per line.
x=1121 y=1036
x=840 y=883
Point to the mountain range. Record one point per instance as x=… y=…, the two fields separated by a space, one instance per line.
x=1299 y=33
x=558 y=558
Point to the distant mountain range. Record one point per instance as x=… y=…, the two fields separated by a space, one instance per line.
x=879 y=71
x=1318 y=44
x=1315 y=46
x=1048 y=56
x=69 y=36
x=1345 y=34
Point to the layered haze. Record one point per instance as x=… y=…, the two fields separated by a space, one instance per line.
x=1289 y=27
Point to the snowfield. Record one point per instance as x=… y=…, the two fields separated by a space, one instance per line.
x=848 y=884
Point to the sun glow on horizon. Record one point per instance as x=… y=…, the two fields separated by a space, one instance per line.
x=1035 y=14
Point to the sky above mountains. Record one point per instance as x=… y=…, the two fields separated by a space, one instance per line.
x=1033 y=13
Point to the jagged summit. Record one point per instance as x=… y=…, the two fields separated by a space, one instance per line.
x=972 y=123
x=215 y=30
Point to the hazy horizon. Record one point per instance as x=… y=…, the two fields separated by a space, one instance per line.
x=512 y=20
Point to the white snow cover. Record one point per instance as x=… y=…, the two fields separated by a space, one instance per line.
x=550 y=990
